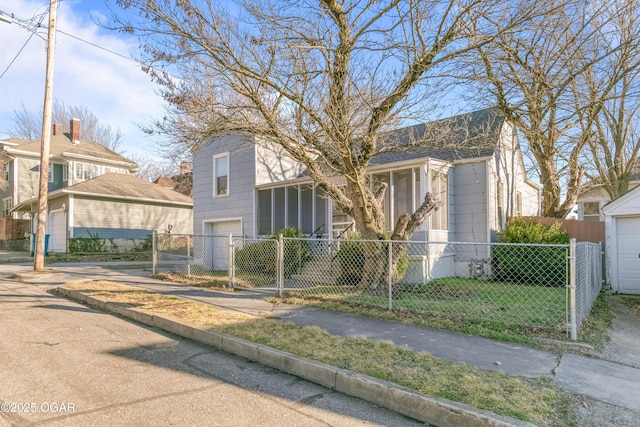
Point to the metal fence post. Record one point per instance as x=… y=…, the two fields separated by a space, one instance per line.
x=231 y=262
x=154 y=249
x=390 y=273
x=572 y=290
x=280 y=263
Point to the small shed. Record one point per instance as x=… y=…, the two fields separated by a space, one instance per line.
x=622 y=234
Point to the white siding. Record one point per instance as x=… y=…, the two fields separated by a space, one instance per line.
x=274 y=165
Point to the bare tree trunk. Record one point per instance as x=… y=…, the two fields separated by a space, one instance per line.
x=376 y=265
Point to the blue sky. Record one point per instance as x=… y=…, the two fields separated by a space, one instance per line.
x=110 y=86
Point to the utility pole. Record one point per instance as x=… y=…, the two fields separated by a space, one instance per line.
x=38 y=263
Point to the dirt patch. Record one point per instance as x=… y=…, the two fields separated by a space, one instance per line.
x=624 y=344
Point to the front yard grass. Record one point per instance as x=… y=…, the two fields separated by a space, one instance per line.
x=498 y=310
x=533 y=400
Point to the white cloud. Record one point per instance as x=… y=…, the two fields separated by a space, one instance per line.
x=111 y=87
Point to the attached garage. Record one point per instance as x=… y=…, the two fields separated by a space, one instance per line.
x=622 y=231
x=216 y=242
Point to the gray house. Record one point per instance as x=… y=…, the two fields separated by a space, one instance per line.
x=248 y=187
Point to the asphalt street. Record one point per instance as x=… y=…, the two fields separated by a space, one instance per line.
x=62 y=363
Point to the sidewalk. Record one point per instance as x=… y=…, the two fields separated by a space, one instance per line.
x=605 y=381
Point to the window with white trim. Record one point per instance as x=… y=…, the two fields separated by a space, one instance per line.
x=84 y=171
x=65 y=173
x=7 y=205
x=50 y=173
x=6 y=172
x=591 y=211
x=221 y=175
x=440 y=189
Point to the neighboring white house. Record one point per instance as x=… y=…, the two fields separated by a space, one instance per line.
x=622 y=231
x=592 y=199
x=246 y=187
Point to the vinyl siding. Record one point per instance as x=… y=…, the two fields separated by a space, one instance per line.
x=97 y=213
x=470 y=200
x=27 y=179
x=239 y=203
x=273 y=165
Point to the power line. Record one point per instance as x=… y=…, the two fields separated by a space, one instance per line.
x=100 y=47
x=21 y=49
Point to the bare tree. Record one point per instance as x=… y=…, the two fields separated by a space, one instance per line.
x=613 y=90
x=533 y=73
x=150 y=168
x=323 y=79
x=27 y=124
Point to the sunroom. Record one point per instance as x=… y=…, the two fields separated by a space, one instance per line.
x=304 y=205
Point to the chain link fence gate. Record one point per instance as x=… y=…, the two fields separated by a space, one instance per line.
x=535 y=287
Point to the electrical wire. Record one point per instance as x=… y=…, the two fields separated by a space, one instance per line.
x=21 y=49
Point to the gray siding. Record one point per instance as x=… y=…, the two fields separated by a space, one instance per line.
x=242 y=169
x=470 y=202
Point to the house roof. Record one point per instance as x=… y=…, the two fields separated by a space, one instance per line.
x=128 y=186
x=465 y=136
x=626 y=204
x=62 y=146
x=119 y=186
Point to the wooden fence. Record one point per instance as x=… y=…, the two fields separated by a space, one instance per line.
x=582 y=231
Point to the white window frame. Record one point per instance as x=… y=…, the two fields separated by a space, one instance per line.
x=50 y=173
x=216 y=158
x=7 y=205
x=591 y=216
x=7 y=171
x=442 y=214
x=83 y=171
x=65 y=173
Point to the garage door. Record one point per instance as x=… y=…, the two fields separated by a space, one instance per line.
x=629 y=255
x=215 y=244
x=58 y=232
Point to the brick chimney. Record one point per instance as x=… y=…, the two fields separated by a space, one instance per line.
x=74 y=130
x=57 y=129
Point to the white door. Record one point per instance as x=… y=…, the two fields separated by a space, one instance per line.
x=629 y=255
x=216 y=242
x=58 y=232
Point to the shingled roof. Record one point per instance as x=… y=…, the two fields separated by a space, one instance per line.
x=465 y=136
x=61 y=144
x=127 y=186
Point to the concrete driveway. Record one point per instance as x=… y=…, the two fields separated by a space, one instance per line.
x=62 y=363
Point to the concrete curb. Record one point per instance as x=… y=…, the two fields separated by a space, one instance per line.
x=432 y=410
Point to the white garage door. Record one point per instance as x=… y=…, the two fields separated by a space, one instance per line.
x=216 y=242
x=629 y=255
x=58 y=232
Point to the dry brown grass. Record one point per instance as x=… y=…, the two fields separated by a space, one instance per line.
x=526 y=399
x=633 y=303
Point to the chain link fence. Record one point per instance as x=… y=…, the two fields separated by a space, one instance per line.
x=529 y=286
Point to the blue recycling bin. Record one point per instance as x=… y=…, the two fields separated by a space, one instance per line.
x=46 y=244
